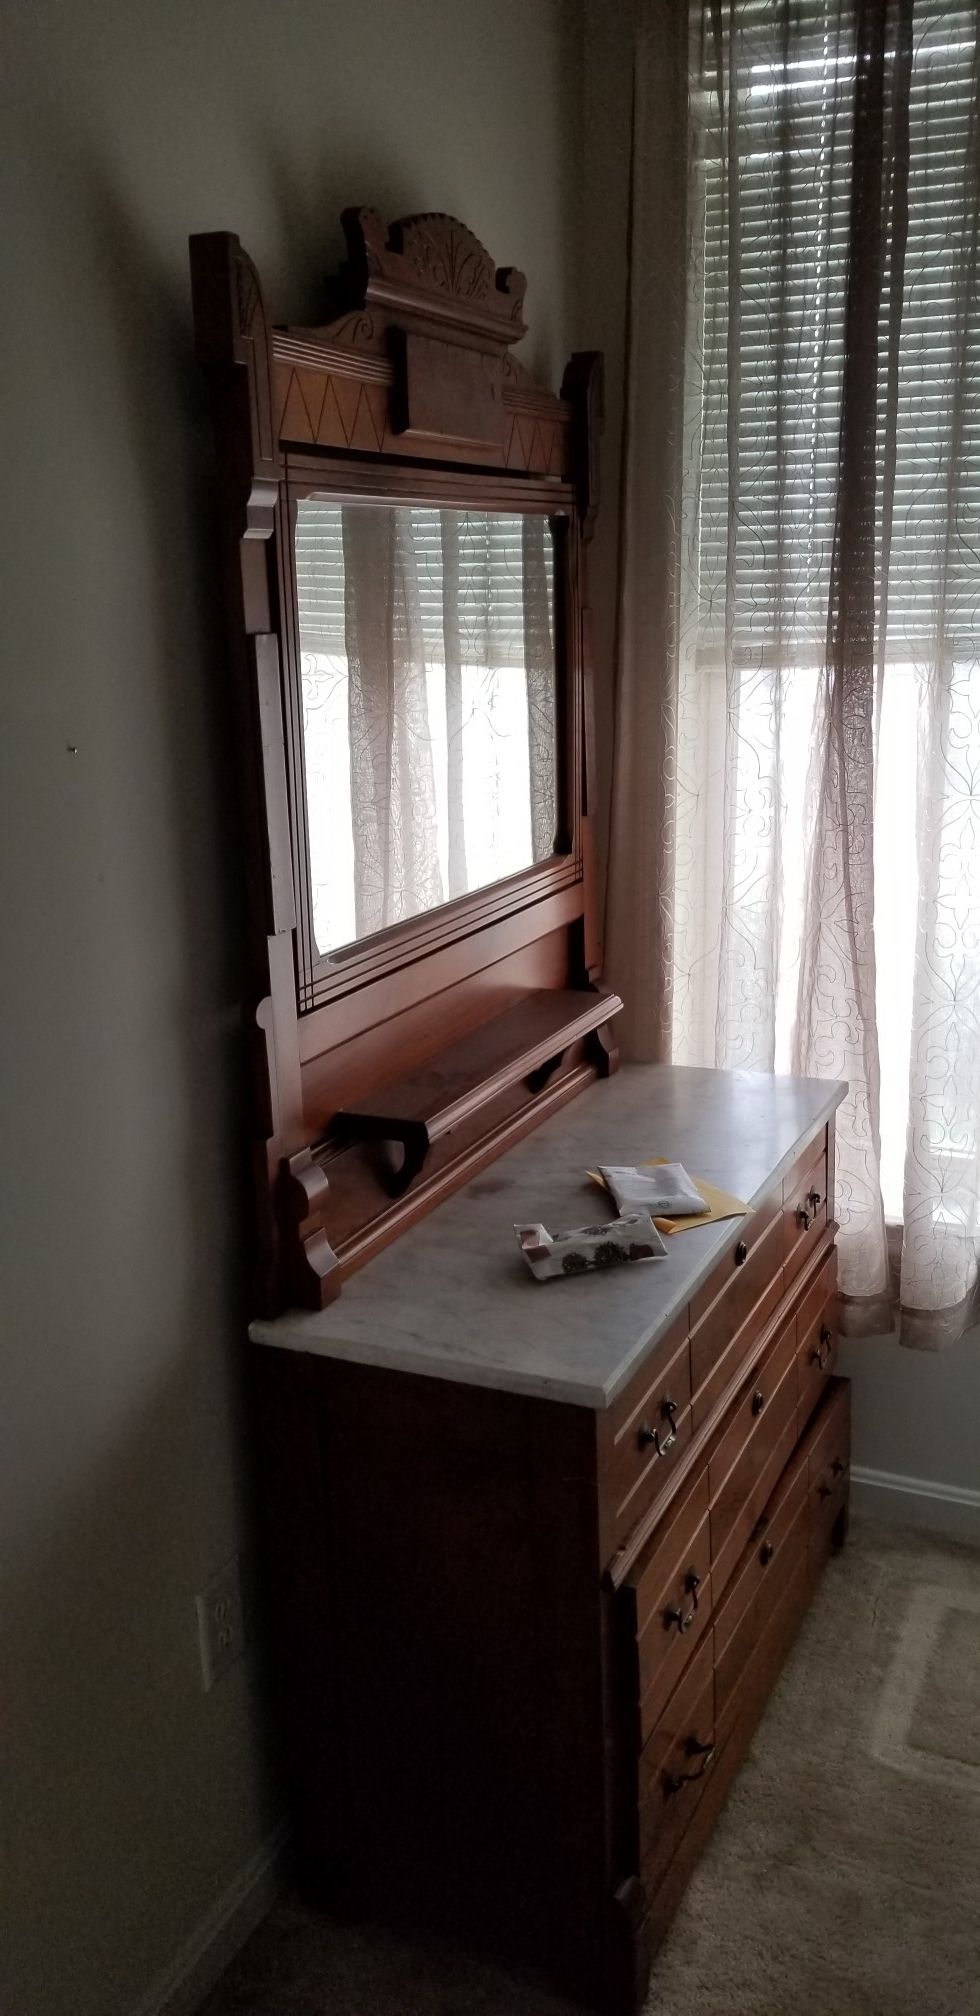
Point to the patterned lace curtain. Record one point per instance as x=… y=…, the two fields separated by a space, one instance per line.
x=798 y=727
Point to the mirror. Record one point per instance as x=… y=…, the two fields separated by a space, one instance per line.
x=427 y=648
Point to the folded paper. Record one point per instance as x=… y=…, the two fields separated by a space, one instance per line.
x=721 y=1203
x=662 y=1188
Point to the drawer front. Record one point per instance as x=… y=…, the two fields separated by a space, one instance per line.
x=816 y=1329
x=773 y=1632
x=675 y=1766
x=753 y=1624
x=828 y=1450
x=827 y=1443
x=804 y=1212
x=671 y=1639
x=758 y=1562
x=726 y=1334
x=725 y=1277
x=665 y=1550
x=733 y=1731
x=778 y=1545
x=670 y=1595
x=642 y=1439
x=807 y=1164
x=634 y=1397
x=752 y=1452
x=648 y=1443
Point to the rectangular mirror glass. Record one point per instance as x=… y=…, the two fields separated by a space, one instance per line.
x=427 y=645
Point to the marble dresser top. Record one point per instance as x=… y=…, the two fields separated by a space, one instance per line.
x=453 y=1297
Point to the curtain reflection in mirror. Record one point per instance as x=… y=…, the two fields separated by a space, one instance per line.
x=428 y=661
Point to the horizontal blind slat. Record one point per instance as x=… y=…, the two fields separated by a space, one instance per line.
x=792 y=277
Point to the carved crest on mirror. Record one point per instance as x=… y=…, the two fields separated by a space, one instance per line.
x=405 y=516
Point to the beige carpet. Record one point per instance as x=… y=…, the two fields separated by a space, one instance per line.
x=844 y=1875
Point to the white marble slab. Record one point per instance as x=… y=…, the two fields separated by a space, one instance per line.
x=453 y=1297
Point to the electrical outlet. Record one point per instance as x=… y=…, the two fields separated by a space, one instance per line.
x=221 y=1623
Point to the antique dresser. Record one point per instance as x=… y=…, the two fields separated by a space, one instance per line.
x=536 y=1551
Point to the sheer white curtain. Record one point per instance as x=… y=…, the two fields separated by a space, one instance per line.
x=813 y=750
x=429 y=706
x=393 y=794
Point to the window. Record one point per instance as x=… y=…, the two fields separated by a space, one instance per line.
x=770 y=226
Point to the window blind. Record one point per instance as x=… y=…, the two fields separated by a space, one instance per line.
x=478 y=555
x=774 y=176
x=938 y=416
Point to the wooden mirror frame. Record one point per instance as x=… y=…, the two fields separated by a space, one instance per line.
x=387 y=1074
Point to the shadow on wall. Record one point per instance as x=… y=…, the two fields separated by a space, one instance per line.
x=309 y=242
x=107 y=1677
x=133 y=1792
x=117 y=1755
x=134 y=1798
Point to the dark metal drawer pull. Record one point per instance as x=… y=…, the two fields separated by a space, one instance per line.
x=814 y=1199
x=837 y=1468
x=758 y=1400
x=766 y=1552
x=803 y=1217
x=673 y=1780
x=646 y=1435
x=674 y=1614
x=820 y=1355
x=741 y=1253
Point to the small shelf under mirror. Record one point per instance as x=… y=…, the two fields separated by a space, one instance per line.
x=528 y=1041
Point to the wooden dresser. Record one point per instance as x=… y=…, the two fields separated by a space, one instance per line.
x=540 y=1550
x=536 y=1550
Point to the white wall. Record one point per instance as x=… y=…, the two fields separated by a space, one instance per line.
x=132 y=1799
x=916 y=1431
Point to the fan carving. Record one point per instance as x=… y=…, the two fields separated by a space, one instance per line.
x=433 y=265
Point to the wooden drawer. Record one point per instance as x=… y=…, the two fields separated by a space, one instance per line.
x=759 y=1560
x=723 y=1335
x=804 y=1208
x=731 y=1744
x=807 y=1164
x=753 y=1625
x=644 y=1435
x=828 y=1441
x=724 y=1279
x=728 y=1334
x=746 y=1680
x=827 y=1444
x=645 y=1438
x=777 y=1546
x=816 y=1330
x=675 y=1766
x=668 y=1601
x=751 y=1452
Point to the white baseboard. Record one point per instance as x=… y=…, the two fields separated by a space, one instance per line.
x=917 y=1501
x=213 y=1944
